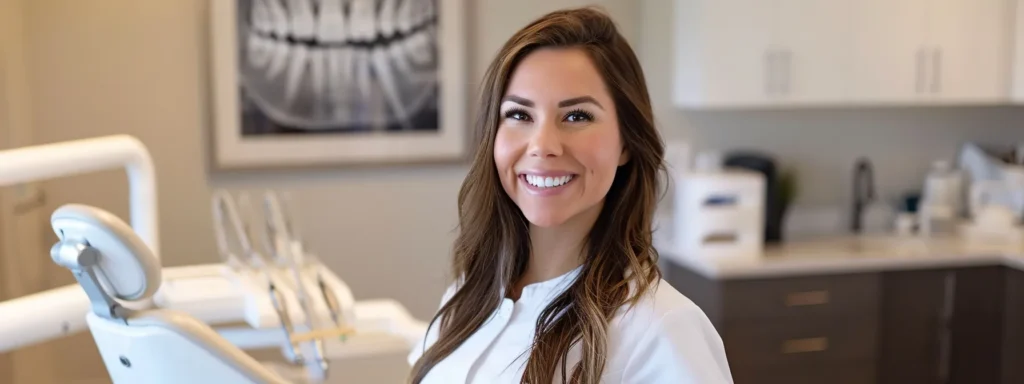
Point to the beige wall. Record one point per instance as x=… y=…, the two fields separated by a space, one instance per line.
x=139 y=67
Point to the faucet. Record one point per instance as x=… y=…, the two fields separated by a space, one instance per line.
x=863 y=192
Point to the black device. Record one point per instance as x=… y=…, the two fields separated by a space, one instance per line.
x=774 y=202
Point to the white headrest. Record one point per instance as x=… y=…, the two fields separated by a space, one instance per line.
x=130 y=269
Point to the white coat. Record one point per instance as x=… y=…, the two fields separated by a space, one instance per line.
x=665 y=338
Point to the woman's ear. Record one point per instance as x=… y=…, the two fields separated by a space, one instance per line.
x=623 y=157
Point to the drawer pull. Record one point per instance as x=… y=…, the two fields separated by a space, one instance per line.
x=813 y=344
x=799 y=299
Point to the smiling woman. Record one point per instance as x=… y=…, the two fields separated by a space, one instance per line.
x=556 y=275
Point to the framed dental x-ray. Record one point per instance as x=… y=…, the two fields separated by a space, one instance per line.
x=337 y=82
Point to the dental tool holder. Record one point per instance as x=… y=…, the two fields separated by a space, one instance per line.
x=247 y=290
x=306 y=300
x=719 y=214
x=302 y=288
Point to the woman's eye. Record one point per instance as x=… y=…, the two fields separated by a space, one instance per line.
x=517 y=115
x=578 y=116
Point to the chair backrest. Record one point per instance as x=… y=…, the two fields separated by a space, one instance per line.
x=141 y=344
x=169 y=347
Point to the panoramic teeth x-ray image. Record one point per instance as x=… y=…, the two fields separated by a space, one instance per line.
x=337 y=66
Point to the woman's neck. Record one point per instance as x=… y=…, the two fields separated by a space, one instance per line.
x=556 y=250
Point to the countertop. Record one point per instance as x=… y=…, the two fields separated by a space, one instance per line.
x=851 y=254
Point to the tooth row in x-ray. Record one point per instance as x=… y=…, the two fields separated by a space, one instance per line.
x=331 y=24
x=327 y=64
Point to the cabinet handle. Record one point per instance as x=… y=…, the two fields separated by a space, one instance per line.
x=799 y=299
x=812 y=344
x=787 y=68
x=919 y=79
x=936 y=70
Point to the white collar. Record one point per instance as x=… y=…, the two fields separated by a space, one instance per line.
x=544 y=291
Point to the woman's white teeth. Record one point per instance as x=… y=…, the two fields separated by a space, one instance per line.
x=547 y=182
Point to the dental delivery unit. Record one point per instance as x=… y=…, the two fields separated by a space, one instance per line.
x=156 y=325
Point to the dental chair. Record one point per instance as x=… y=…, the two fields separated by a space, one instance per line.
x=148 y=322
x=138 y=341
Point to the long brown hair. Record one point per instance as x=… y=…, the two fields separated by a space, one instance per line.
x=491 y=251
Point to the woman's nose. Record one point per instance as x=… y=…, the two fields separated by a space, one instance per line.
x=545 y=141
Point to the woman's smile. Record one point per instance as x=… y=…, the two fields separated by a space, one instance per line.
x=547 y=183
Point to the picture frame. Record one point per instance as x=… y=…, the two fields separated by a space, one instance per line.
x=340 y=83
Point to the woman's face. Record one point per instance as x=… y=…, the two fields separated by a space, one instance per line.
x=558 y=144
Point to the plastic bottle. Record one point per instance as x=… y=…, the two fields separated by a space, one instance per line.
x=940 y=205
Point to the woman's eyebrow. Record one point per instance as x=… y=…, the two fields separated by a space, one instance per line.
x=518 y=100
x=579 y=100
x=561 y=104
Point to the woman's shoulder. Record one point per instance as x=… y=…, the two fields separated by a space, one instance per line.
x=666 y=337
x=660 y=301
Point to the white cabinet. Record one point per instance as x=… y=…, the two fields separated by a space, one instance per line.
x=814 y=38
x=888 y=59
x=764 y=53
x=971 y=50
x=724 y=54
x=758 y=52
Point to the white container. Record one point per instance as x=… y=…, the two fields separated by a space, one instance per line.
x=944 y=186
x=719 y=215
x=942 y=201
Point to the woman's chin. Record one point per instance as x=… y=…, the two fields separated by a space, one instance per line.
x=546 y=219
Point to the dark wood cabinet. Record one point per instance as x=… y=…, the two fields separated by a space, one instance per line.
x=963 y=325
x=941 y=326
x=1013 y=328
x=910 y=326
x=977 y=326
x=816 y=329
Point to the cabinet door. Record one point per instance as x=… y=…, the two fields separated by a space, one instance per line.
x=1013 y=328
x=977 y=326
x=910 y=331
x=888 y=50
x=723 y=55
x=970 y=50
x=815 y=38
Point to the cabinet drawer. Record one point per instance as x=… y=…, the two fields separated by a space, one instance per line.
x=802 y=343
x=800 y=297
x=841 y=372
